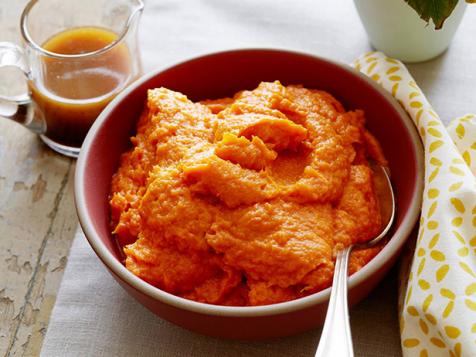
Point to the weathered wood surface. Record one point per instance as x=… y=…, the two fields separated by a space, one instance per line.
x=37 y=223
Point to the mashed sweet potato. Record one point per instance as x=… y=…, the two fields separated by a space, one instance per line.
x=244 y=200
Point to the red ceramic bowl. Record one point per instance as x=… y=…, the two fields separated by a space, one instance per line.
x=219 y=75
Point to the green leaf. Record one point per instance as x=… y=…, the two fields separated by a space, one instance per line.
x=437 y=10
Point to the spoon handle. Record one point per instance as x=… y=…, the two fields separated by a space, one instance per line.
x=336 y=339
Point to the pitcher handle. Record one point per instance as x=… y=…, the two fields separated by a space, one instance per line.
x=19 y=108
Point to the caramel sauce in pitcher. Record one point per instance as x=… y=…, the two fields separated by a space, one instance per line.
x=72 y=92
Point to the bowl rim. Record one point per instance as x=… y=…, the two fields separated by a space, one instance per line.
x=396 y=242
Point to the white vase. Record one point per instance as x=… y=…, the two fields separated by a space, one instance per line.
x=396 y=29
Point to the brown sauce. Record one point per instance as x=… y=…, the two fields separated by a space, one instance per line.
x=72 y=92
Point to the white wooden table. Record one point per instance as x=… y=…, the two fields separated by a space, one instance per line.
x=37 y=223
x=37 y=215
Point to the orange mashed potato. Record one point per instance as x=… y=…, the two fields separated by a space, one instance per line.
x=244 y=201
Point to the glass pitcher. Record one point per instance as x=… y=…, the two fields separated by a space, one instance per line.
x=76 y=56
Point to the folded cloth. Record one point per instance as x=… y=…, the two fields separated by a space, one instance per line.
x=438 y=305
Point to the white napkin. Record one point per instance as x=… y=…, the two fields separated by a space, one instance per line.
x=438 y=312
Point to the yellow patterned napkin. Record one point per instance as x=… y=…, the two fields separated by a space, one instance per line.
x=438 y=308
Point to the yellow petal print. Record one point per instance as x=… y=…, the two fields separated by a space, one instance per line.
x=413 y=95
x=411 y=342
x=471 y=304
x=452 y=332
x=418 y=116
x=448 y=309
x=375 y=77
x=432 y=225
x=421 y=252
x=421 y=266
x=409 y=294
x=433 y=123
x=473 y=328
x=434 y=132
x=473 y=146
x=394 y=89
x=441 y=272
x=421 y=235
x=423 y=326
x=395 y=78
x=460 y=237
x=467 y=269
x=438 y=342
x=392 y=69
x=435 y=161
x=432 y=113
x=463 y=252
x=472 y=242
x=455 y=186
x=424 y=353
x=371 y=68
x=427 y=302
x=460 y=131
x=447 y=293
x=412 y=310
x=433 y=175
x=390 y=60
x=434 y=240
x=470 y=289
x=433 y=193
x=416 y=104
x=435 y=145
x=424 y=285
x=458 y=349
x=431 y=318
x=370 y=59
x=458 y=204
x=456 y=171
x=432 y=209
x=467 y=158
x=457 y=222
x=437 y=255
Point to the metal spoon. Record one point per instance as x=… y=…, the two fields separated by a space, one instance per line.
x=336 y=339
